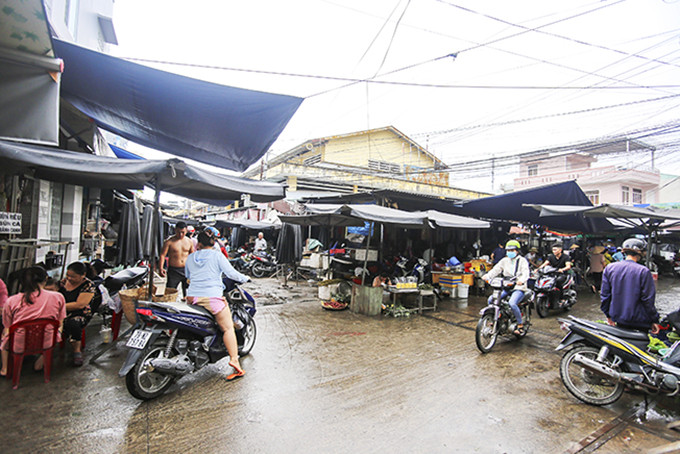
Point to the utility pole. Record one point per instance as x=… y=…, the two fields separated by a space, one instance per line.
x=493 y=174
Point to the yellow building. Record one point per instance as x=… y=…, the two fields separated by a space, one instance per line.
x=377 y=159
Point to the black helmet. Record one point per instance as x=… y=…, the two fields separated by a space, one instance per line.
x=634 y=246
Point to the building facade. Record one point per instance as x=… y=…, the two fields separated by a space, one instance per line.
x=56 y=212
x=362 y=161
x=624 y=184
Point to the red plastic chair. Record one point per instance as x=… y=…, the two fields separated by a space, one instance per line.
x=116 y=320
x=34 y=341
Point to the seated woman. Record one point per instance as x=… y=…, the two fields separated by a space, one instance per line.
x=35 y=302
x=204 y=270
x=79 y=293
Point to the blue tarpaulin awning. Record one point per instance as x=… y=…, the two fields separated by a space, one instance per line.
x=215 y=124
x=511 y=207
x=123 y=154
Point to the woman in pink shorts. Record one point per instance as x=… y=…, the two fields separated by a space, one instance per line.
x=35 y=302
x=204 y=270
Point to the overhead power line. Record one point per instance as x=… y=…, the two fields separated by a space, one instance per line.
x=556 y=35
x=408 y=84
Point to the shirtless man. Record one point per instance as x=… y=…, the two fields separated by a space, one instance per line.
x=177 y=248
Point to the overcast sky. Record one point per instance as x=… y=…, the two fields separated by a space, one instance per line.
x=520 y=75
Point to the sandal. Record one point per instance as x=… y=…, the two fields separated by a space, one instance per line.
x=77 y=359
x=519 y=330
x=237 y=374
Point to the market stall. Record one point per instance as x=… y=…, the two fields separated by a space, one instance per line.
x=348 y=215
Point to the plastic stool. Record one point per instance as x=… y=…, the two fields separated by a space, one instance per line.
x=34 y=341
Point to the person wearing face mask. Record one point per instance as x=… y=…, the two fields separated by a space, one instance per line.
x=512 y=265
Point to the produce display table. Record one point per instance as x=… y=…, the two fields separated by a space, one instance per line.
x=394 y=292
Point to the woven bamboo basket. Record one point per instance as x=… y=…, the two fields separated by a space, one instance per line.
x=128 y=298
x=170 y=296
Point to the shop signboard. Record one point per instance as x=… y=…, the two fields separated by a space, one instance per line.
x=10 y=223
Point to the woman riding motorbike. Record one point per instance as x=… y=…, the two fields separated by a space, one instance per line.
x=204 y=270
x=512 y=265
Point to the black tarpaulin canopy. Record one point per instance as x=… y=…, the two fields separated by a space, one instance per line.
x=223 y=126
x=513 y=207
x=172 y=175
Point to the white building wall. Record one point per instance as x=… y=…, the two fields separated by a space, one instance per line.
x=71 y=218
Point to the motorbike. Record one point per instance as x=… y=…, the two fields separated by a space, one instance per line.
x=416 y=267
x=263 y=265
x=128 y=278
x=242 y=262
x=550 y=295
x=497 y=318
x=604 y=360
x=177 y=339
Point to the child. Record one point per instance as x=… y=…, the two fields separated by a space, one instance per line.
x=52 y=284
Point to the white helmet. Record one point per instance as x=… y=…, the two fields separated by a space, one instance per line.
x=634 y=246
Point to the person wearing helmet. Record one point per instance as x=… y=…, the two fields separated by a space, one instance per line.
x=628 y=292
x=512 y=265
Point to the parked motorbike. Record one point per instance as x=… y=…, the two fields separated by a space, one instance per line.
x=128 y=278
x=263 y=265
x=550 y=295
x=497 y=318
x=604 y=360
x=416 y=267
x=176 y=339
x=242 y=262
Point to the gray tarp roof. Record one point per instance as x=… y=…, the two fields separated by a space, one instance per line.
x=246 y=224
x=347 y=215
x=174 y=176
x=631 y=215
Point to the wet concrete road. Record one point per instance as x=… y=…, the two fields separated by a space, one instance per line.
x=335 y=382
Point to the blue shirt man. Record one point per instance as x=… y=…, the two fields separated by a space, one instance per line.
x=628 y=291
x=498 y=254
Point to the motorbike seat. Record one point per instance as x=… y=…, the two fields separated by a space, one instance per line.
x=116 y=281
x=620 y=332
x=184 y=308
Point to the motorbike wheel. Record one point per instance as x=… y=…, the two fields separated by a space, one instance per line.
x=144 y=384
x=258 y=270
x=246 y=336
x=543 y=306
x=585 y=385
x=485 y=334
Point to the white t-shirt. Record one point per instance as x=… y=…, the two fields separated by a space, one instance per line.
x=260 y=244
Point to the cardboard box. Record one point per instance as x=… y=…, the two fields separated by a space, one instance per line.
x=360 y=254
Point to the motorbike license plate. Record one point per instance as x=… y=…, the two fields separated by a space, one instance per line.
x=138 y=339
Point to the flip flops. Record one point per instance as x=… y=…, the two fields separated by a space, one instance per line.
x=237 y=374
